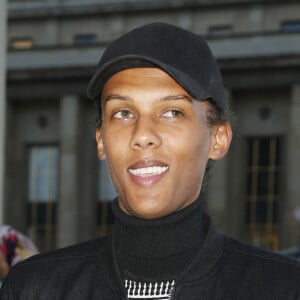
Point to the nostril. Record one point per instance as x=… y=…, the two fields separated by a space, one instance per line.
x=149 y=140
x=145 y=134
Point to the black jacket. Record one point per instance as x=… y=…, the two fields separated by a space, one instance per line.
x=232 y=271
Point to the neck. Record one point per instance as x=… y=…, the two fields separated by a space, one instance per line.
x=164 y=246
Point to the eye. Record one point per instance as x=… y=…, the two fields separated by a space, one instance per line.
x=172 y=113
x=123 y=114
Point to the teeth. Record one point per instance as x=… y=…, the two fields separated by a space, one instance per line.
x=148 y=171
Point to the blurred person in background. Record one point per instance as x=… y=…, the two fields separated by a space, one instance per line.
x=4 y=267
x=14 y=248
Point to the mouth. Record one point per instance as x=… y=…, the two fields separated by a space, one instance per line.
x=147 y=172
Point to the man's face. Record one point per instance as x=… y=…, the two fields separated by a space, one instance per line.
x=156 y=141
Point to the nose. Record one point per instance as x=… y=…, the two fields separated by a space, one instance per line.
x=145 y=135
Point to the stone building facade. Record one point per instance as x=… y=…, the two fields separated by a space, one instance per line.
x=55 y=188
x=2 y=101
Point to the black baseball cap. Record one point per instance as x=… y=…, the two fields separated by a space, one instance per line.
x=184 y=55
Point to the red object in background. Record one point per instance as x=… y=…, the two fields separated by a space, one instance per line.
x=14 y=245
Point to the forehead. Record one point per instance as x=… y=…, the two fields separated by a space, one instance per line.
x=153 y=79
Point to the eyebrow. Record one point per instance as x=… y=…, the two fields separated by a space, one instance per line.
x=116 y=97
x=177 y=97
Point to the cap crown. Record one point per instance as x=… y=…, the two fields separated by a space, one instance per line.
x=182 y=54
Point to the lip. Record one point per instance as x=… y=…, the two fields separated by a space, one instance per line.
x=147 y=172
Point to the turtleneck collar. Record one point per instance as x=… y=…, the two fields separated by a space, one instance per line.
x=166 y=245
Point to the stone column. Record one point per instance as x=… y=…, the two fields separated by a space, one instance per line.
x=3 y=20
x=68 y=202
x=291 y=217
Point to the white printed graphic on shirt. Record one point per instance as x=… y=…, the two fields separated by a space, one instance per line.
x=149 y=290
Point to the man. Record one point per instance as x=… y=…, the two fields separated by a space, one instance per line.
x=162 y=121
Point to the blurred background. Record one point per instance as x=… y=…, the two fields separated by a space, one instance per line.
x=52 y=186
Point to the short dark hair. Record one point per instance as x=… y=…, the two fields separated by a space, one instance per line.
x=99 y=113
x=215 y=115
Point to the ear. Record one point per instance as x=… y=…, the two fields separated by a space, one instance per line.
x=100 y=147
x=221 y=140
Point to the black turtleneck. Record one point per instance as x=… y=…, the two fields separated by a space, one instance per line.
x=158 y=249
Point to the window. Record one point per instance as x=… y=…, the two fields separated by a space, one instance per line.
x=106 y=193
x=42 y=195
x=290 y=26
x=85 y=39
x=21 y=43
x=263 y=190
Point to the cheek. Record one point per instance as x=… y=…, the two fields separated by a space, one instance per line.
x=115 y=171
x=112 y=147
x=191 y=147
x=113 y=141
x=195 y=154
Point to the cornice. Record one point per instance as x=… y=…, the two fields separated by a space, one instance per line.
x=38 y=10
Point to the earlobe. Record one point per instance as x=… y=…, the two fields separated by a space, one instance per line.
x=222 y=136
x=100 y=147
